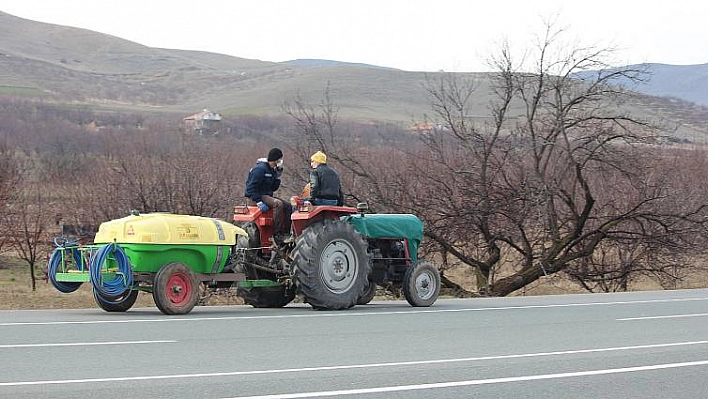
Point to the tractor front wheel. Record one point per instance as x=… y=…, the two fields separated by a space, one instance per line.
x=369 y=294
x=175 y=289
x=275 y=296
x=421 y=284
x=331 y=265
x=250 y=243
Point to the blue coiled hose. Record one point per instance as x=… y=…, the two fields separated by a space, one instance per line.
x=55 y=264
x=115 y=288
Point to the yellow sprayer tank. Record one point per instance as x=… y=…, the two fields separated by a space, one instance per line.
x=153 y=240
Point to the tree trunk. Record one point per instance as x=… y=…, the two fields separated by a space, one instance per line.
x=507 y=285
x=32 y=278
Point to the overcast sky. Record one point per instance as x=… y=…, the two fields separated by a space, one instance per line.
x=414 y=35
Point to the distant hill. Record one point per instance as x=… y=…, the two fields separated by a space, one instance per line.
x=316 y=63
x=77 y=66
x=683 y=82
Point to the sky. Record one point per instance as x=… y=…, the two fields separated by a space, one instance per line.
x=413 y=35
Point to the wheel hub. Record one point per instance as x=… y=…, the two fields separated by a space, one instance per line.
x=425 y=286
x=179 y=290
x=338 y=268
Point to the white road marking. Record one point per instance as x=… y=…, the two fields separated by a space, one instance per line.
x=345 y=314
x=672 y=316
x=454 y=384
x=349 y=367
x=84 y=344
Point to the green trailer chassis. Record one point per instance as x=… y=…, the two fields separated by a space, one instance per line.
x=146 y=266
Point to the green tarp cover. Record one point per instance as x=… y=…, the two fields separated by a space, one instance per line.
x=382 y=225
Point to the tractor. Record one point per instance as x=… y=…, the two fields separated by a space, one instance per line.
x=336 y=258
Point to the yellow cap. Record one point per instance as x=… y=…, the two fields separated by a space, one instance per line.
x=319 y=157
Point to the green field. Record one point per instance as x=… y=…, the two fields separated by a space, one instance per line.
x=18 y=91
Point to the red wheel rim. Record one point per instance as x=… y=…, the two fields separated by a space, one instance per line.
x=179 y=289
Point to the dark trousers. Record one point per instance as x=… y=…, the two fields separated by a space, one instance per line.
x=281 y=214
x=322 y=201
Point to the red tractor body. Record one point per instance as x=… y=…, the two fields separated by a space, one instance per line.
x=305 y=215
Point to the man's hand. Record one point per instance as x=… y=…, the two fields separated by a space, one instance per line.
x=262 y=206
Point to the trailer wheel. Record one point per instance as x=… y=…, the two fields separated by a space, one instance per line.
x=175 y=289
x=331 y=265
x=369 y=294
x=267 y=297
x=421 y=284
x=122 y=303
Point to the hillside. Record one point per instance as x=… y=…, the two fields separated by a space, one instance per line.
x=67 y=64
x=70 y=65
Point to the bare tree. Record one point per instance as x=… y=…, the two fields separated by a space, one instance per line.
x=551 y=185
x=27 y=218
x=359 y=164
x=199 y=176
x=317 y=125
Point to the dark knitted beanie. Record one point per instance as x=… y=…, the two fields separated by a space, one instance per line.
x=274 y=154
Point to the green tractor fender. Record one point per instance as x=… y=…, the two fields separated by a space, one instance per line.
x=383 y=225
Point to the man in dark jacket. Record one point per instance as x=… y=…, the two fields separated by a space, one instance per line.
x=263 y=180
x=325 y=186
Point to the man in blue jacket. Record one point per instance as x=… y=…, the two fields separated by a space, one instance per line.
x=263 y=180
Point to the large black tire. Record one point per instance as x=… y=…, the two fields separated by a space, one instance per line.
x=120 y=304
x=369 y=294
x=421 y=284
x=176 y=289
x=331 y=265
x=267 y=297
x=260 y=297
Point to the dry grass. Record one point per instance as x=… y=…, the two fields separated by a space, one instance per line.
x=16 y=291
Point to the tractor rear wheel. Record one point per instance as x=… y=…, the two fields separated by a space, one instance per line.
x=176 y=289
x=331 y=265
x=421 y=284
x=122 y=303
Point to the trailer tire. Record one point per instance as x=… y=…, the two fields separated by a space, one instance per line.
x=122 y=303
x=331 y=265
x=175 y=289
x=267 y=297
x=421 y=284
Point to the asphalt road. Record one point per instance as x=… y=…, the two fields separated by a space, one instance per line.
x=630 y=345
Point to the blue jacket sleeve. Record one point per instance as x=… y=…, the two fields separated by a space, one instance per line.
x=255 y=177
